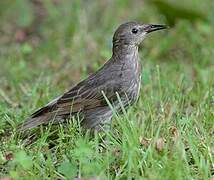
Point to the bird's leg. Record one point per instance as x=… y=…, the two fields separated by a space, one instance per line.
x=106 y=127
x=103 y=130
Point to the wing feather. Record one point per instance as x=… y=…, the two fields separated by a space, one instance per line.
x=84 y=96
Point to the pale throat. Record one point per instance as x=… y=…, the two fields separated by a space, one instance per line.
x=125 y=51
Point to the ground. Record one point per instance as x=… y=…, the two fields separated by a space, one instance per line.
x=48 y=46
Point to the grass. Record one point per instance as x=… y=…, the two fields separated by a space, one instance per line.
x=167 y=134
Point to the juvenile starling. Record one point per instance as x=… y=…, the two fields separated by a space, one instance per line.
x=119 y=77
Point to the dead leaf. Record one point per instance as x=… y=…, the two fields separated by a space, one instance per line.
x=145 y=141
x=20 y=35
x=6 y=178
x=9 y=156
x=175 y=134
x=117 y=152
x=159 y=144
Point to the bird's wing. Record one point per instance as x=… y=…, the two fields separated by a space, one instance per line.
x=84 y=96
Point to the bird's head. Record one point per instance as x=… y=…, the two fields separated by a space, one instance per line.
x=133 y=33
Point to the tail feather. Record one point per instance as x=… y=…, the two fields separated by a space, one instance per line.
x=33 y=122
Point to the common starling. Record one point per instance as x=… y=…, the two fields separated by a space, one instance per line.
x=118 y=80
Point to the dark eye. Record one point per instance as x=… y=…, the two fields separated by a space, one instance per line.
x=134 y=30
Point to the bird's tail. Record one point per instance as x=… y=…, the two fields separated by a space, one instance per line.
x=33 y=122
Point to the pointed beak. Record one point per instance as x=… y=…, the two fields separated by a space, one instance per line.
x=154 y=27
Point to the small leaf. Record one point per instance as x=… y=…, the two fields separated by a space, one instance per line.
x=68 y=169
x=14 y=175
x=23 y=159
x=83 y=151
x=26 y=48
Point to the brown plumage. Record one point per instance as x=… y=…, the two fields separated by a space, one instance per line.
x=119 y=75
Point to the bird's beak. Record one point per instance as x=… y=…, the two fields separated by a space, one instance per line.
x=154 y=27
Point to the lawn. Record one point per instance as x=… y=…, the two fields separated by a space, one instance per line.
x=48 y=46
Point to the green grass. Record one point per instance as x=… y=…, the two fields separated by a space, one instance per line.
x=167 y=134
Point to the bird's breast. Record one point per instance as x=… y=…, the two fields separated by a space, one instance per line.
x=131 y=79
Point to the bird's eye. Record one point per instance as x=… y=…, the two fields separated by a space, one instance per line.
x=134 y=30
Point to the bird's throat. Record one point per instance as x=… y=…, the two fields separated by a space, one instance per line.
x=122 y=52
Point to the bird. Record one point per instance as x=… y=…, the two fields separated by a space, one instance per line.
x=114 y=86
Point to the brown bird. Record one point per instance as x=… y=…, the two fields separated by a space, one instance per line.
x=118 y=80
